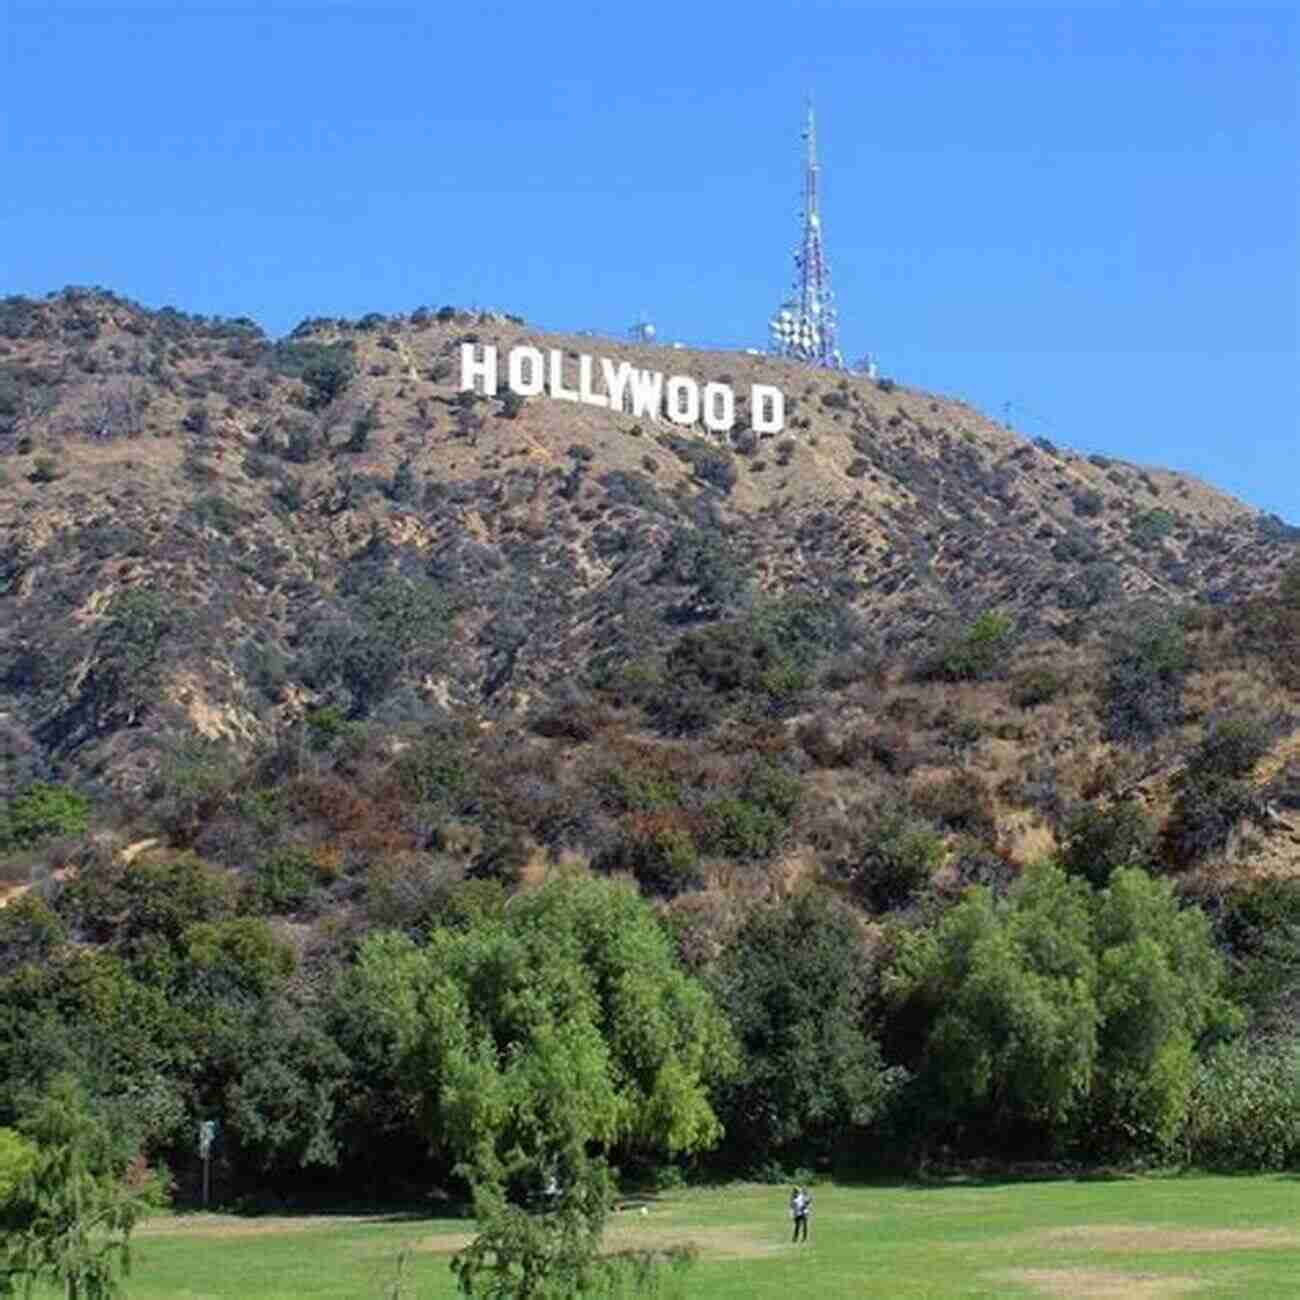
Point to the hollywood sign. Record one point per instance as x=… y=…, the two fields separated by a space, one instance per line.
x=622 y=387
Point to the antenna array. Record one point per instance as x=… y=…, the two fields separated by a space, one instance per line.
x=804 y=327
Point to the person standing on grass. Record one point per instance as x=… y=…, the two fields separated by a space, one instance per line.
x=800 y=1205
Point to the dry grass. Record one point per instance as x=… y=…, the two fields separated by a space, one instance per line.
x=1131 y=1238
x=1093 y=1284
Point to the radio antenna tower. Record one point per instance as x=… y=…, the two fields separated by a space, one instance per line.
x=804 y=327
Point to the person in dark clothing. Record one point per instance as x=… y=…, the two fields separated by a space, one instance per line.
x=800 y=1207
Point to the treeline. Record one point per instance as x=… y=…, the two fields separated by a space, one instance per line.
x=444 y=1023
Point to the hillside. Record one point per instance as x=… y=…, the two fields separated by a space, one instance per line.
x=320 y=680
x=204 y=532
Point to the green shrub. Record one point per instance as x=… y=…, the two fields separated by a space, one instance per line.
x=1151 y=527
x=45 y=470
x=362 y=427
x=1244 y=1109
x=1289 y=587
x=666 y=862
x=1036 y=686
x=41 y=812
x=1259 y=925
x=325 y=369
x=1148 y=663
x=1088 y=502
x=960 y=802
x=285 y=881
x=1097 y=841
x=741 y=829
x=886 y=856
x=215 y=511
x=979 y=652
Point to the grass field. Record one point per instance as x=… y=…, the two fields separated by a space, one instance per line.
x=1131 y=1239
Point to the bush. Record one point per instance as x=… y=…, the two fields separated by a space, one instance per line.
x=362 y=427
x=1036 y=686
x=979 y=652
x=1098 y=841
x=1244 y=1110
x=961 y=802
x=325 y=371
x=664 y=858
x=41 y=812
x=285 y=881
x=1088 y=503
x=215 y=511
x=1231 y=748
x=886 y=856
x=1289 y=587
x=742 y=830
x=1207 y=810
x=1259 y=925
x=45 y=470
x=1150 y=528
x=1148 y=663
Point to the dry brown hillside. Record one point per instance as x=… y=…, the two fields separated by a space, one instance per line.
x=203 y=531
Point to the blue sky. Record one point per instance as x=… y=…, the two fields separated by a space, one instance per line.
x=1087 y=211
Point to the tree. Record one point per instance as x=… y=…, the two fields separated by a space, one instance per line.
x=1160 y=997
x=793 y=985
x=1062 y=1012
x=69 y=1219
x=536 y=1043
x=999 y=1002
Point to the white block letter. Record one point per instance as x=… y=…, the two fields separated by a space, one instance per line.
x=615 y=381
x=558 y=390
x=719 y=407
x=533 y=385
x=647 y=389
x=683 y=411
x=760 y=422
x=470 y=370
x=584 y=385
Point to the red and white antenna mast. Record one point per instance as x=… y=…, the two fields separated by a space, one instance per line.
x=805 y=325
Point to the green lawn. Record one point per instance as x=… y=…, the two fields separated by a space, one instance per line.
x=1127 y=1239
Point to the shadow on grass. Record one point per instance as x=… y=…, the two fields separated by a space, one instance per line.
x=407 y=1213
x=955 y=1176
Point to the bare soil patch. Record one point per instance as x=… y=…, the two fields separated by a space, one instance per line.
x=1137 y=1237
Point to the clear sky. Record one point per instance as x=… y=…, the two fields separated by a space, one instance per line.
x=1087 y=211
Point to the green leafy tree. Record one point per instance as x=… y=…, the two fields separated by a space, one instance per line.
x=69 y=1219
x=1000 y=1002
x=1062 y=1012
x=17 y=1161
x=537 y=1042
x=1160 y=995
x=793 y=984
x=123 y=680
